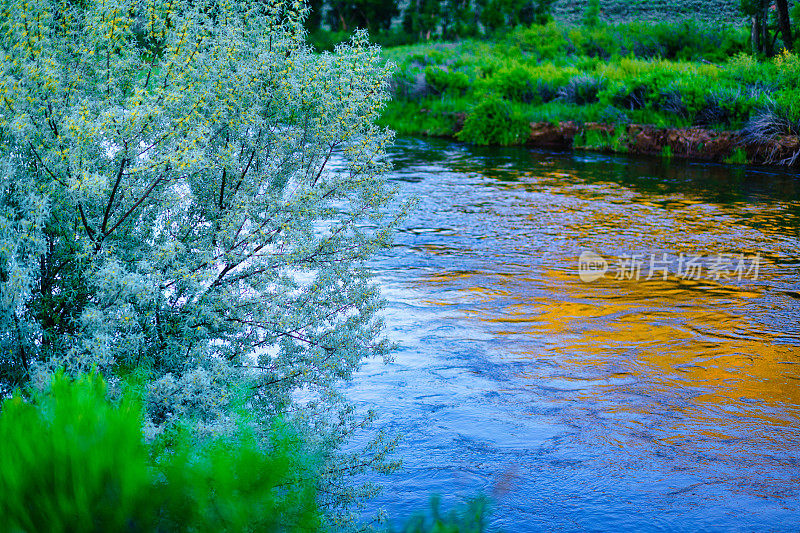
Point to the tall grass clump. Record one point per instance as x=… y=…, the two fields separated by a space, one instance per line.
x=780 y=113
x=517 y=84
x=71 y=460
x=727 y=107
x=770 y=122
x=469 y=518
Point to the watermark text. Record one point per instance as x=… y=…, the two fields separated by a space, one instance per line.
x=661 y=266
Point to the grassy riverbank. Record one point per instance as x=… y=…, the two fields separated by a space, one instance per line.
x=665 y=75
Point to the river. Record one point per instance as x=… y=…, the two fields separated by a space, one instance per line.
x=663 y=395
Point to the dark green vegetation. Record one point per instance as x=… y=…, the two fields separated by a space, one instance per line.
x=652 y=10
x=394 y=22
x=73 y=460
x=420 y=20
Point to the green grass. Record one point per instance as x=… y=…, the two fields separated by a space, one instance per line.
x=73 y=461
x=738 y=157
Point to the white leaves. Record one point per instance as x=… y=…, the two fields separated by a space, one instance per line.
x=23 y=214
x=204 y=392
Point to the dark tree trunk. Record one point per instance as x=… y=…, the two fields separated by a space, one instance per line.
x=765 y=41
x=783 y=23
x=755 y=34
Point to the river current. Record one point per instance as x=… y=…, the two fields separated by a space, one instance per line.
x=662 y=395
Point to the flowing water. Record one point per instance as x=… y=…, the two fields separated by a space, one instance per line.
x=624 y=403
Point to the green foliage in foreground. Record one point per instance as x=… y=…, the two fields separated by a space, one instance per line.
x=72 y=461
x=665 y=75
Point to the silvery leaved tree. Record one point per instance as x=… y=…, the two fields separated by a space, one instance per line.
x=188 y=192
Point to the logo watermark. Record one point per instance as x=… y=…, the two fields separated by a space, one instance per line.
x=654 y=266
x=591 y=266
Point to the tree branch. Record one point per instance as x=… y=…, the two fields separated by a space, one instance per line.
x=38 y=158
x=89 y=231
x=113 y=194
x=222 y=188
x=134 y=206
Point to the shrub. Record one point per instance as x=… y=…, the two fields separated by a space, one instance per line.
x=591 y=15
x=547 y=90
x=549 y=78
x=683 y=98
x=601 y=42
x=493 y=121
x=641 y=42
x=747 y=70
x=718 y=110
x=408 y=84
x=770 y=122
x=726 y=107
x=630 y=97
x=517 y=84
x=685 y=40
x=787 y=67
x=671 y=101
x=653 y=84
x=612 y=115
x=788 y=102
x=582 y=89
x=542 y=41
x=491 y=65
x=429 y=57
x=72 y=461
x=440 y=79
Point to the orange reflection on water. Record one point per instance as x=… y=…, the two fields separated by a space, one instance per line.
x=688 y=344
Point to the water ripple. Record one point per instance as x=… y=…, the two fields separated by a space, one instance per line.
x=621 y=404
